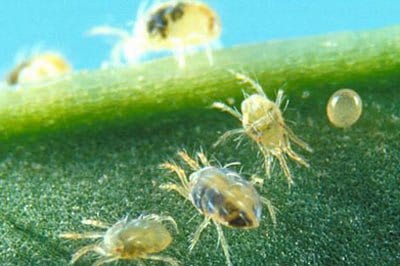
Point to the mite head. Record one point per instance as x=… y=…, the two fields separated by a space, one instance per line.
x=113 y=241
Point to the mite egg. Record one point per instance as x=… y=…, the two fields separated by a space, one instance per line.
x=39 y=68
x=344 y=108
x=137 y=239
x=221 y=195
x=177 y=26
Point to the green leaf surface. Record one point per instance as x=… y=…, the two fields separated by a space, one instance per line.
x=90 y=145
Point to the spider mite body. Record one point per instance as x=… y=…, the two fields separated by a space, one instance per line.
x=137 y=239
x=38 y=68
x=176 y=26
x=263 y=122
x=221 y=195
x=225 y=197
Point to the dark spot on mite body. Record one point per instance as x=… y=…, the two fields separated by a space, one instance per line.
x=235 y=217
x=211 y=201
x=211 y=24
x=197 y=196
x=12 y=77
x=177 y=11
x=158 y=22
x=240 y=219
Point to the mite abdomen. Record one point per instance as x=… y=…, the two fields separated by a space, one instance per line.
x=150 y=237
x=229 y=200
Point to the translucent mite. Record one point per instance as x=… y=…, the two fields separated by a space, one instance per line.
x=176 y=26
x=263 y=122
x=344 y=108
x=137 y=239
x=221 y=195
x=38 y=68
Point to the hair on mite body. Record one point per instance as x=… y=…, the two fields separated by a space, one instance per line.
x=128 y=239
x=263 y=122
x=221 y=195
x=177 y=26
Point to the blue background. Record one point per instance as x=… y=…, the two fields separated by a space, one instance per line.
x=60 y=25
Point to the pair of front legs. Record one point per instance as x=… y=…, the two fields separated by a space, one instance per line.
x=183 y=188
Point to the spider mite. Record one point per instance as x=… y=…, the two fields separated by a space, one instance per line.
x=38 y=68
x=137 y=239
x=263 y=122
x=177 y=26
x=220 y=195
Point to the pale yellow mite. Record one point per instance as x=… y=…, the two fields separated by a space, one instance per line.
x=221 y=195
x=344 y=108
x=263 y=122
x=176 y=26
x=137 y=239
x=38 y=68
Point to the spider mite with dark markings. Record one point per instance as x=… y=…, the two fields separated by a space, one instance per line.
x=176 y=26
x=137 y=239
x=263 y=122
x=221 y=195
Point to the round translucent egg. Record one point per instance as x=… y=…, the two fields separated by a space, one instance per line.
x=344 y=108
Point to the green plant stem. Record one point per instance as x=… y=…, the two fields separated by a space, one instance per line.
x=137 y=93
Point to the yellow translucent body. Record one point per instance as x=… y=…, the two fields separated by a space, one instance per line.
x=263 y=121
x=136 y=239
x=344 y=108
x=199 y=25
x=39 y=68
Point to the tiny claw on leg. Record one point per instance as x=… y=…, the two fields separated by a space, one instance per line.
x=271 y=209
x=227 y=109
x=181 y=190
x=224 y=244
x=228 y=134
x=256 y=180
x=196 y=235
x=95 y=223
x=296 y=157
x=285 y=167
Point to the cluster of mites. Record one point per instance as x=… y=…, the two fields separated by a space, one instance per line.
x=220 y=194
x=176 y=26
x=172 y=26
